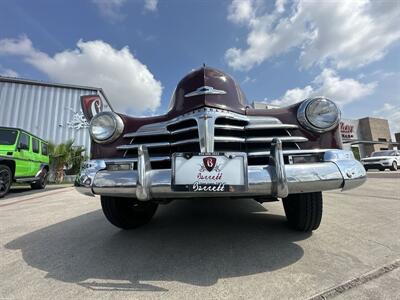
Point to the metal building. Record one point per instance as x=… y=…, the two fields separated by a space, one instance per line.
x=50 y=111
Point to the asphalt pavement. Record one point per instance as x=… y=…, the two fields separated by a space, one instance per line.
x=57 y=244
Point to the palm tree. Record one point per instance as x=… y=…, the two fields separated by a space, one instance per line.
x=65 y=155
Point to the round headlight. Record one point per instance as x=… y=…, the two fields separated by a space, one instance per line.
x=105 y=127
x=318 y=114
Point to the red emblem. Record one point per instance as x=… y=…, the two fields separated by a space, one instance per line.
x=91 y=106
x=209 y=163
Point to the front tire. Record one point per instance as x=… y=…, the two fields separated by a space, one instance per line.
x=127 y=213
x=41 y=183
x=303 y=211
x=5 y=180
x=394 y=166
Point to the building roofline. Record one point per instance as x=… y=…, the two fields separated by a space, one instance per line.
x=44 y=83
x=52 y=84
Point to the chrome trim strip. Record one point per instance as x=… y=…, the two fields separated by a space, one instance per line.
x=146 y=133
x=229 y=127
x=271 y=126
x=158 y=144
x=289 y=152
x=184 y=130
x=229 y=139
x=148 y=145
x=134 y=159
x=286 y=139
x=183 y=142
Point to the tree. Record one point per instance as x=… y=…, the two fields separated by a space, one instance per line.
x=65 y=156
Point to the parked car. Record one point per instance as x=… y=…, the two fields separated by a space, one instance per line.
x=381 y=160
x=211 y=143
x=23 y=158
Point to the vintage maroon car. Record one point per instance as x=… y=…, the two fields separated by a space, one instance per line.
x=211 y=143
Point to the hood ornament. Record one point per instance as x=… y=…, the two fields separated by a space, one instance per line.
x=205 y=90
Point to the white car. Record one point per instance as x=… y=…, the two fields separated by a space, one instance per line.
x=386 y=159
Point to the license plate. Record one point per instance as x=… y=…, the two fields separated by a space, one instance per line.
x=209 y=172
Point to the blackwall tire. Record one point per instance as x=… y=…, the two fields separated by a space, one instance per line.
x=127 y=213
x=5 y=180
x=394 y=166
x=304 y=211
x=41 y=183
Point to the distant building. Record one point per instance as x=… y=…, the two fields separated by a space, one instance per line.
x=50 y=111
x=366 y=135
x=397 y=137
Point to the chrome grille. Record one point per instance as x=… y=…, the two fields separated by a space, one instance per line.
x=211 y=130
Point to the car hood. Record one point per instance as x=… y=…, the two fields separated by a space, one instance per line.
x=377 y=157
x=207 y=87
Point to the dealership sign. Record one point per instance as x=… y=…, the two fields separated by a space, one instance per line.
x=349 y=129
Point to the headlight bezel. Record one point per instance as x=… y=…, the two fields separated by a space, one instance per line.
x=305 y=121
x=118 y=127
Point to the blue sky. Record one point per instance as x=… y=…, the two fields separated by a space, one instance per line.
x=280 y=52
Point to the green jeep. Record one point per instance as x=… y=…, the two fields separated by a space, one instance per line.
x=23 y=158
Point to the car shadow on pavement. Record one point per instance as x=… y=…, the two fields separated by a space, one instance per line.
x=195 y=242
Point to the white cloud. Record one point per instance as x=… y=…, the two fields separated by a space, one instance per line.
x=127 y=82
x=150 y=5
x=330 y=85
x=8 y=72
x=343 y=34
x=280 y=5
x=241 y=11
x=392 y=113
x=110 y=9
x=248 y=79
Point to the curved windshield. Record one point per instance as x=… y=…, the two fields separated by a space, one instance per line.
x=383 y=153
x=8 y=136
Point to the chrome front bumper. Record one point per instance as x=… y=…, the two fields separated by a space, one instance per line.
x=339 y=170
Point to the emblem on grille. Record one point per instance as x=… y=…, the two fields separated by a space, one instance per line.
x=205 y=90
x=209 y=163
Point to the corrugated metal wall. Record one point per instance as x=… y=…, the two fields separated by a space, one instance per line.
x=43 y=110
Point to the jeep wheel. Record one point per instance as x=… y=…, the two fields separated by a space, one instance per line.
x=5 y=180
x=127 y=213
x=41 y=183
x=304 y=211
x=394 y=166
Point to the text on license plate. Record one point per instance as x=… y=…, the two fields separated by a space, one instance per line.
x=209 y=172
